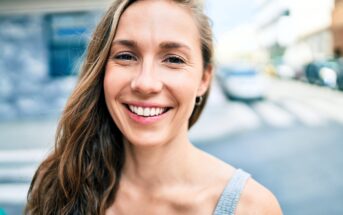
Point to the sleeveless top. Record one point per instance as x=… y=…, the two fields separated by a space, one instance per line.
x=228 y=200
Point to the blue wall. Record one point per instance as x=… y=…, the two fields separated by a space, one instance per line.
x=40 y=55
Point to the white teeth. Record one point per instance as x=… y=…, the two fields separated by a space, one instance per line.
x=140 y=111
x=146 y=111
x=159 y=111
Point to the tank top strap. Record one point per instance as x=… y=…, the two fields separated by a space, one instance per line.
x=228 y=200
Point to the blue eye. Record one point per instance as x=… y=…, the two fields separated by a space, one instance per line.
x=175 y=60
x=125 y=57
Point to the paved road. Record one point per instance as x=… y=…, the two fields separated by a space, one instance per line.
x=23 y=145
x=301 y=165
x=290 y=142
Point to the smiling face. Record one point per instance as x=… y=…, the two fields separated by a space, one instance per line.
x=154 y=72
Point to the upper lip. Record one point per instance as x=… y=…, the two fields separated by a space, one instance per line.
x=147 y=104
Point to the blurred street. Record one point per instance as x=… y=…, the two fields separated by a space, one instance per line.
x=290 y=142
x=284 y=58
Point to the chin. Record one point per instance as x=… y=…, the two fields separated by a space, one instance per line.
x=147 y=141
x=141 y=143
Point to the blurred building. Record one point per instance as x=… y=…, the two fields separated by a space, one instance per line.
x=42 y=43
x=15 y=7
x=55 y=32
x=297 y=31
x=337 y=25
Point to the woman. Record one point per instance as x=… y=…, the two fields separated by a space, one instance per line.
x=122 y=145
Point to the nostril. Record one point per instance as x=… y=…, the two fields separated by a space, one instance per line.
x=146 y=85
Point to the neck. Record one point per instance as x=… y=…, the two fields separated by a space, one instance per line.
x=155 y=166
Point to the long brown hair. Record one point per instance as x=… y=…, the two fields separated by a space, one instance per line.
x=82 y=174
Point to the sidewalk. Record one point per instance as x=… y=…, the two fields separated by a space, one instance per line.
x=27 y=134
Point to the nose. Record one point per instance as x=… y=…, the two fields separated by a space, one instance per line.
x=146 y=81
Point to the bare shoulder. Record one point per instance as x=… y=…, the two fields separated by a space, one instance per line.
x=256 y=199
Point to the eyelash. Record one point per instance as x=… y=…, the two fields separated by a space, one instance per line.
x=129 y=57
x=173 y=58
x=125 y=57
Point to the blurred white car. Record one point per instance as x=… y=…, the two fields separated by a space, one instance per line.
x=242 y=82
x=286 y=71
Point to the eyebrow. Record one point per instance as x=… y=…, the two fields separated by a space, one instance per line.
x=128 y=43
x=173 y=45
x=163 y=45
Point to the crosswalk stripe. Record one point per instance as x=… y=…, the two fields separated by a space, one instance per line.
x=216 y=96
x=225 y=119
x=335 y=101
x=235 y=116
x=13 y=174
x=304 y=113
x=13 y=193
x=273 y=115
x=241 y=116
x=332 y=111
x=22 y=155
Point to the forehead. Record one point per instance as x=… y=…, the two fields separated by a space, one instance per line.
x=158 y=21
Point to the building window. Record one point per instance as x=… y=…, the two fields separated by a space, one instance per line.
x=67 y=35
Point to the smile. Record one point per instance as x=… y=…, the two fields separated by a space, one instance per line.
x=147 y=111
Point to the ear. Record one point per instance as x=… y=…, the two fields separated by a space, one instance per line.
x=205 y=80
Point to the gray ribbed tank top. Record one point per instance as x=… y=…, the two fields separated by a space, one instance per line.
x=229 y=199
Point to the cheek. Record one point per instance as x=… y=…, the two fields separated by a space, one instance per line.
x=109 y=93
x=109 y=90
x=184 y=90
x=186 y=83
x=114 y=81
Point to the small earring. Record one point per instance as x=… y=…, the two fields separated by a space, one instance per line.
x=198 y=100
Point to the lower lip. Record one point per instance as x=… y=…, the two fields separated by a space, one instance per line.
x=145 y=120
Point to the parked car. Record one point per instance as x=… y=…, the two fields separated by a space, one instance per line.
x=324 y=72
x=244 y=83
x=340 y=80
x=286 y=72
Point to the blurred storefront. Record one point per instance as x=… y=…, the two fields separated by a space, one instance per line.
x=42 y=43
x=14 y=7
x=337 y=25
x=52 y=32
x=297 y=31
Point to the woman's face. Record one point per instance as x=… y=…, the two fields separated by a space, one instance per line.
x=154 y=72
